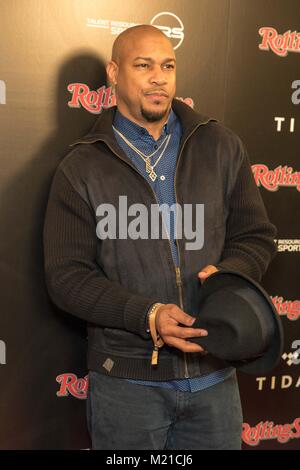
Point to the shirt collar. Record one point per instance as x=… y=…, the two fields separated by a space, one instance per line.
x=133 y=131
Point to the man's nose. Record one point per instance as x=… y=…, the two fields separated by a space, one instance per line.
x=158 y=76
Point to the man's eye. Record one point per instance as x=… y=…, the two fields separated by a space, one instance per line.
x=169 y=66
x=142 y=66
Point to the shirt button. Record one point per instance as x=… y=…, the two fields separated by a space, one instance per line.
x=155 y=147
x=163 y=177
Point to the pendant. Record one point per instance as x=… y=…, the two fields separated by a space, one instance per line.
x=149 y=169
x=152 y=175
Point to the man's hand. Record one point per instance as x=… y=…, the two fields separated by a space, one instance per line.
x=206 y=272
x=168 y=318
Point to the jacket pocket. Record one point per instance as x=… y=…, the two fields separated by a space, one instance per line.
x=126 y=344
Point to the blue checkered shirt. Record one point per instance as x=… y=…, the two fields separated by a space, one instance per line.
x=163 y=188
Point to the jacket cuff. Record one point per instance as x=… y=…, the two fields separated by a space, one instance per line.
x=237 y=264
x=136 y=315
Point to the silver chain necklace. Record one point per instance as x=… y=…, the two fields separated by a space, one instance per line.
x=149 y=168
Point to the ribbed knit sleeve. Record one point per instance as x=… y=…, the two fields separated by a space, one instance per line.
x=75 y=282
x=249 y=245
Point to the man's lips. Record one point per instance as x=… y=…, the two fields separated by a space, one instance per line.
x=157 y=95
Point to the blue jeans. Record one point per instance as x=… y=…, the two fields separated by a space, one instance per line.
x=125 y=416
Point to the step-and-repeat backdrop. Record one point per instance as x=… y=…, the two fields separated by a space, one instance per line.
x=238 y=61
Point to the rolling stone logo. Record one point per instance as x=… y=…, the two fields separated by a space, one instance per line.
x=95 y=101
x=70 y=384
x=265 y=431
x=273 y=179
x=288 y=308
x=280 y=44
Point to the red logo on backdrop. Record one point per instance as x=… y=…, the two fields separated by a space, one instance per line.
x=70 y=384
x=94 y=101
x=280 y=44
x=188 y=101
x=265 y=431
x=273 y=179
x=289 y=308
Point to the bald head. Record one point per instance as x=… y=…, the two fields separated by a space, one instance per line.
x=131 y=37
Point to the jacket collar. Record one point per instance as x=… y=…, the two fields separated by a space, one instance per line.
x=102 y=129
x=136 y=132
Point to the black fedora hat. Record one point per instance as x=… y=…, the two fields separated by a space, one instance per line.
x=243 y=325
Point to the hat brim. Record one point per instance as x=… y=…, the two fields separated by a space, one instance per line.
x=271 y=357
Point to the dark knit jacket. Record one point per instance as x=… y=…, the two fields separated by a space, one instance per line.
x=112 y=283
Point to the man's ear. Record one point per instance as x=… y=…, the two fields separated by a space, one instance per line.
x=112 y=72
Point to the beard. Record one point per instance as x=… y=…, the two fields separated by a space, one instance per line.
x=154 y=116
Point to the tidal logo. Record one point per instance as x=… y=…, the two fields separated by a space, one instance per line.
x=2 y=92
x=2 y=352
x=290 y=124
x=274 y=382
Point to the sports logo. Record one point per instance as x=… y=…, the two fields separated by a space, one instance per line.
x=289 y=246
x=171 y=25
x=167 y=22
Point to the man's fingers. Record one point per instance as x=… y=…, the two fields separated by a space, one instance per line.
x=182 y=332
x=181 y=317
x=183 y=345
x=206 y=272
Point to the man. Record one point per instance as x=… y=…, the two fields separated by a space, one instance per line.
x=149 y=386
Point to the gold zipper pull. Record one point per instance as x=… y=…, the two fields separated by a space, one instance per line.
x=178 y=277
x=154 y=358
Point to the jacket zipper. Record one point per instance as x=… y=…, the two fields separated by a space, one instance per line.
x=179 y=287
x=177 y=268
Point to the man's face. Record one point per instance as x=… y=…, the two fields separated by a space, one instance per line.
x=145 y=78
